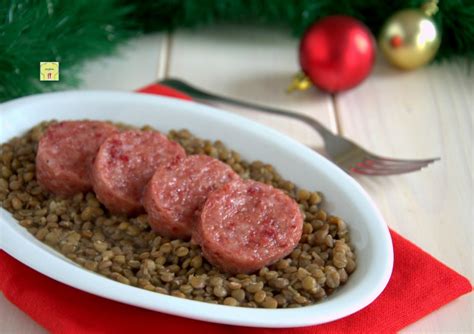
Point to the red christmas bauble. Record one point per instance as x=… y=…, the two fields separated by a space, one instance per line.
x=337 y=53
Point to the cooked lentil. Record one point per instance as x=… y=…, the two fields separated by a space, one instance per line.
x=126 y=250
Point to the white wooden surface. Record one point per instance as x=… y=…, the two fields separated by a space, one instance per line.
x=424 y=113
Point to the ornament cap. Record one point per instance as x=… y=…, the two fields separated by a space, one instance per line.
x=430 y=7
x=300 y=82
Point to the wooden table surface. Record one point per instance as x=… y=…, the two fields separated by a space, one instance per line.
x=419 y=114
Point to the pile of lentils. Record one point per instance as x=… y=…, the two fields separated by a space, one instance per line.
x=128 y=251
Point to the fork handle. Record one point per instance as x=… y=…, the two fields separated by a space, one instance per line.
x=199 y=94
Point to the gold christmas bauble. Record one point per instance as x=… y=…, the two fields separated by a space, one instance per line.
x=409 y=39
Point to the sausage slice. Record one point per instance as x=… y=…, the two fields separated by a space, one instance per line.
x=124 y=165
x=246 y=225
x=65 y=154
x=176 y=192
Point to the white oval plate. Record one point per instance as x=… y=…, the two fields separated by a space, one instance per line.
x=343 y=197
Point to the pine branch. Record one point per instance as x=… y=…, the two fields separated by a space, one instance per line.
x=455 y=18
x=70 y=32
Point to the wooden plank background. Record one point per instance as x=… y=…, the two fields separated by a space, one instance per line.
x=418 y=114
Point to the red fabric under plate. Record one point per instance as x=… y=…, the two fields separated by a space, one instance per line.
x=163 y=90
x=62 y=309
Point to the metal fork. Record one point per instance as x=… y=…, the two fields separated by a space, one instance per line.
x=345 y=153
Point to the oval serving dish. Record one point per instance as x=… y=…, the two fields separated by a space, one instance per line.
x=343 y=197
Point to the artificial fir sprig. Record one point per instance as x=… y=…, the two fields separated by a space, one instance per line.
x=32 y=31
x=455 y=18
x=72 y=31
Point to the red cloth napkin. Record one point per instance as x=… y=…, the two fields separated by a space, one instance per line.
x=419 y=285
